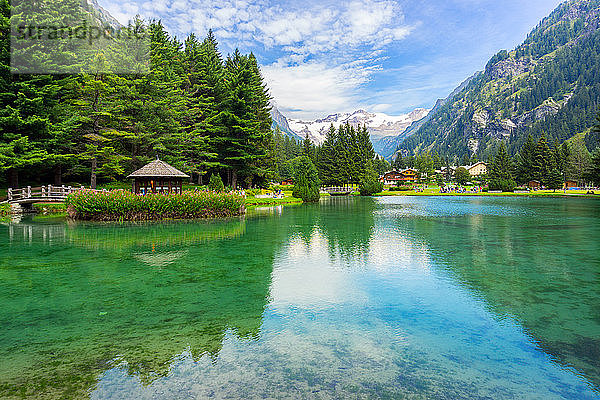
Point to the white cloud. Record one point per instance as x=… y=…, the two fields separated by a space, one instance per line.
x=312 y=89
x=317 y=42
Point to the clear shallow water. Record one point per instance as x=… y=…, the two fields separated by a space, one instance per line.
x=393 y=297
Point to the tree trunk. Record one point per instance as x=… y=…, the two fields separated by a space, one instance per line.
x=233 y=179
x=13 y=178
x=199 y=178
x=93 y=178
x=58 y=175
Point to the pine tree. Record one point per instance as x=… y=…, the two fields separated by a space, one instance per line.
x=98 y=120
x=541 y=160
x=399 y=163
x=369 y=182
x=307 y=148
x=525 y=161
x=579 y=161
x=328 y=164
x=593 y=173
x=500 y=171
x=242 y=138
x=306 y=181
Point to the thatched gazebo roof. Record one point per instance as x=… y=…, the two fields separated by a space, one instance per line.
x=158 y=169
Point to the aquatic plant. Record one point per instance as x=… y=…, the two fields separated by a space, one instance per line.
x=123 y=205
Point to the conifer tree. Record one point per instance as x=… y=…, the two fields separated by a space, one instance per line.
x=306 y=182
x=541 y=160
x=593 y=173
x=241 y=138
x=525 y=161
x=500 y=171
x=399 y=163
x=307 y=148
x=328 y=163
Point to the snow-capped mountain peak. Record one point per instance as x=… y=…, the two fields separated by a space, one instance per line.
x=378 y=124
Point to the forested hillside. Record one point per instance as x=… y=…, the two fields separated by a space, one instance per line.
x=197 y=110
x=550 y=84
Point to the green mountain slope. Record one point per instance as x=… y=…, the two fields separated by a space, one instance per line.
x=550 y=83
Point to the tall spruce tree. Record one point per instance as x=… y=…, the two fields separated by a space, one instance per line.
x=593 y=173
x=541 y=160
x=328 y=163
x=525 y=161
x=500 y=171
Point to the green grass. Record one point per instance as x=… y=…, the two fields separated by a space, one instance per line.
x=50 y=208
x=288 y=199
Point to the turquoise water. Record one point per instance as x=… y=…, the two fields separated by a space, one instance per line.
x=422 y=297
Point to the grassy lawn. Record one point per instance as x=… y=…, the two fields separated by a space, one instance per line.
x=287 y=199
x=50 y=208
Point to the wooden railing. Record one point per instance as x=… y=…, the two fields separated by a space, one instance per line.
x=338 y=189
x=52 y=192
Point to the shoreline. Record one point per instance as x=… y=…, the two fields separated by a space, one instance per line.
x=486 y=194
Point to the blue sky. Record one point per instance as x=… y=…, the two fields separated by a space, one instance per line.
x=321 y=56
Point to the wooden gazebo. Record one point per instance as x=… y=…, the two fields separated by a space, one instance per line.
x=157 y=177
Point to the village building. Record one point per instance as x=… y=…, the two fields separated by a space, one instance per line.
x=477 y=169
x=407 y=176
x=158 y=177
x=570 y=184
x=534 y=185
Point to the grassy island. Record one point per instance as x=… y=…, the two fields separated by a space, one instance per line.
x=121 y=205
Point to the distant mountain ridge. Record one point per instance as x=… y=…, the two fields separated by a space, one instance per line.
x=384 y=129
x=550 y=84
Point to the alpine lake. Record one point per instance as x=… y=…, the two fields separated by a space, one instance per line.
x=396 y=297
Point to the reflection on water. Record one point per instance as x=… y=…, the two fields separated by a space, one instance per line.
x=540 y=265
x=398 y=297
x=78 y=299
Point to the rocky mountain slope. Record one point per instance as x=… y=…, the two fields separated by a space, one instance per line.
x=550 y=84
x=281 y=122
x=102 y=16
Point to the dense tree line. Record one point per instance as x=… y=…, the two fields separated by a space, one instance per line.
x=550 y=165
x=345 y=157
x=200 y=111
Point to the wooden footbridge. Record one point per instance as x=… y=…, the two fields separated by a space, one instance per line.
x=339 y=191
x=26 y=197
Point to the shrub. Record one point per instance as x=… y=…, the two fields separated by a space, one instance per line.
x=119 y=205
x=369 y=184
x=4 y=209
x=461 y=175
x=504 y=185
x=307 y=180
x=216 y=183
x=308 y=194
x=253 y=192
